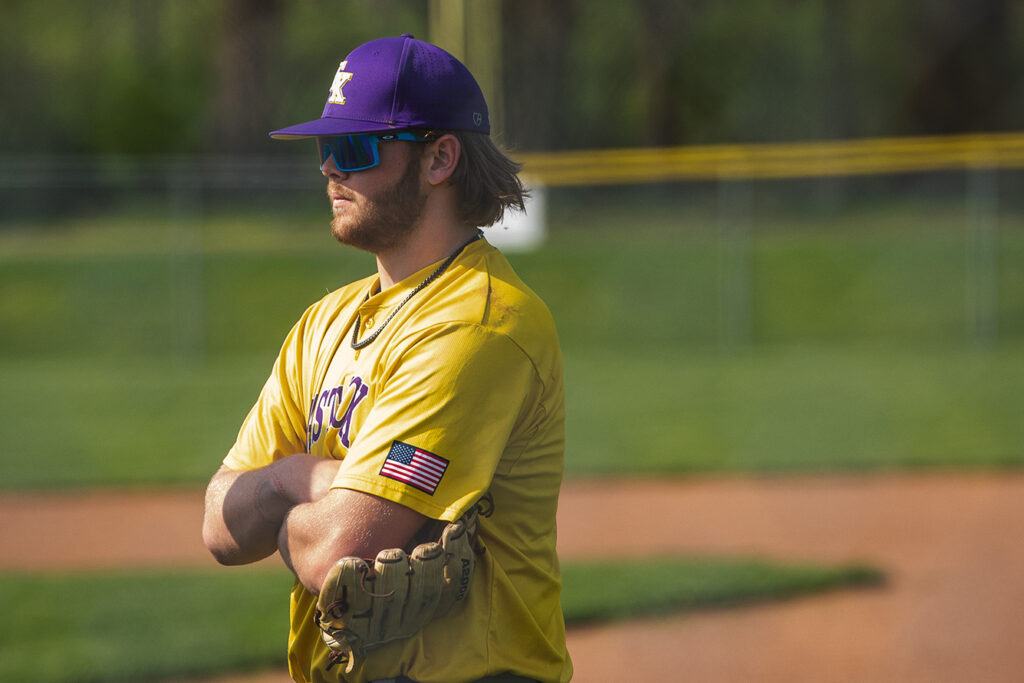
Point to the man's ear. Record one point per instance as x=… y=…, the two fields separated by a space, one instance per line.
x=443 y=155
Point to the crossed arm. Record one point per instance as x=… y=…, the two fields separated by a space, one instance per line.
x=289 y=507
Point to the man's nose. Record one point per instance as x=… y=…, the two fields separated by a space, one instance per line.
x=330 y=170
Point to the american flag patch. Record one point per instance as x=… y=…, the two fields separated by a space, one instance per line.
x=414 y=466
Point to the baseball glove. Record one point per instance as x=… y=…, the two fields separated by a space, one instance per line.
x=366 y=603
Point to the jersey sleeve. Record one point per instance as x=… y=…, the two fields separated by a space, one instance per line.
x=276 y=425
x=445 y=406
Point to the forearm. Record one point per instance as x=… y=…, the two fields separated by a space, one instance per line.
x=344 y=523
x=304 y=549
x=245 y=510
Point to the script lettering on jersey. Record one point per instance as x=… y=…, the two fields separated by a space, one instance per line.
x=325 y=407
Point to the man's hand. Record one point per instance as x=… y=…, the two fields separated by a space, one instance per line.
x=301 y=478
x=322 y=475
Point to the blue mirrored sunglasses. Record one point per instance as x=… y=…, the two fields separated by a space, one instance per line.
x=358 y=152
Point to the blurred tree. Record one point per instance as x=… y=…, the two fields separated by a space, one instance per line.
x=167 y=76
x=597 y=106
x=143 y=82
x=666 y=26
x=248 y=44
x=536 y=77
x=965 y=75
x=837 y=86
x=102 y=77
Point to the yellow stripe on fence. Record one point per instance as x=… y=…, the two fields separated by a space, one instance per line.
x=795 y=160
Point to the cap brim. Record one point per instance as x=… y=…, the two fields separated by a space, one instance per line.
x=330 y=126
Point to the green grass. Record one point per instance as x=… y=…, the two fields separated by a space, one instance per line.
x=147 y=626
x=127 y=286
x=135 y=627
x=100 y=421
x=792 y=285
x=794 y=408
x=131 y=346
x=617 y=590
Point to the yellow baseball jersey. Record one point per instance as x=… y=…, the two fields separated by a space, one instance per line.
x=461 y=394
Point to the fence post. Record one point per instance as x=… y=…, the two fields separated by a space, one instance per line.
x=735 y=271
x=188 y=297
x=982 y=253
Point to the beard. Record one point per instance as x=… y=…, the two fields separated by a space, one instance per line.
x=386 y=217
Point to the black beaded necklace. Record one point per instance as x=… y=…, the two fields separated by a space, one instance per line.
x=356 y=345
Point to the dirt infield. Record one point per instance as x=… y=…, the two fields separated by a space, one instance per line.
x=949 y=544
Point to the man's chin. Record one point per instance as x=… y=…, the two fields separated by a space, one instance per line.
x=357 y=237
x=348 y=238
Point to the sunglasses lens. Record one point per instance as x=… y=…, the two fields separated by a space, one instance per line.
x=350 y=152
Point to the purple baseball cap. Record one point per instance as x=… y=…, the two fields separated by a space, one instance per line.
x=394 y=83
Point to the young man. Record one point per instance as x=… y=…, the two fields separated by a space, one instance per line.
x=414 y=396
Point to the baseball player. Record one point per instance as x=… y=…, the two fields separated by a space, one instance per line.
x=406 y=453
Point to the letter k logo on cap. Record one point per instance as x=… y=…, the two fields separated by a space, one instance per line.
x=340 y=79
